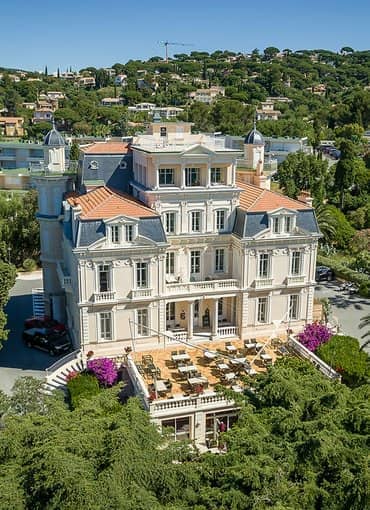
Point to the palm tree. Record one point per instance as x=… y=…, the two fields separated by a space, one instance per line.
x=326 y=222
x=365 y=323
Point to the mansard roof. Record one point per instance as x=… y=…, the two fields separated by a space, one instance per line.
x=104 y=202
x=255 y=199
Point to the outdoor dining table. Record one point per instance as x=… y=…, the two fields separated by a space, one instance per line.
x=180 y=357
x=237 y=388
x=197 y=380
x=250 y=346
x=259 y=346
x=231 y=348
x=160 y=386
x=266 y=357
x=237 y=361
x=187 y=368
x=210 y=354
x=223 y=366
x=230 y=376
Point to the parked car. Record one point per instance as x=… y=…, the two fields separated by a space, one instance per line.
x=324 y=273
x=44 y=322
x=47 y=340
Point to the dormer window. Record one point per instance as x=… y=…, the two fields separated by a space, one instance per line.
x=114 y=234
x=276 y=225
x=288 y=223
x=129 y=233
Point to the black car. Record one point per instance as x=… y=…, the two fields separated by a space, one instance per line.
x=46 y=340
x=324 y=273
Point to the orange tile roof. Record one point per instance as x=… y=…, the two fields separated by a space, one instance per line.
x=255 y=199
x=107 y=148
x=104 y=203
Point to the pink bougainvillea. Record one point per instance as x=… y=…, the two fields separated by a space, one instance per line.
x=314 y=335
x=104 y=370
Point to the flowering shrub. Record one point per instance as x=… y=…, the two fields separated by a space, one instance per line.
x=314 y=335
x=71 y=375
x=104 y=370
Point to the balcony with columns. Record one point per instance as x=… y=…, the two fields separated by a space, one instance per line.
x=194 y=176
x=206 y=319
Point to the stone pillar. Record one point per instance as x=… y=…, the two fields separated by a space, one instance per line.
x=182 y=177
x=214 y=324
x=190 y=319
x=208 y=177
x=156 y=177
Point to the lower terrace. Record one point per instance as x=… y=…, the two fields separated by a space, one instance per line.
x=187 y=371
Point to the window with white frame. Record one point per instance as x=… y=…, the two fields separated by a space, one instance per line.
x=178 y=428
x=170 y=262
x=296 y=263
x=103 y=278
x=195 y=262
x=170 y=312
x=219 y=260
x=192 y=177
x=129 y=233
x=220 y=220
x=142 y=275
x=262 y=304
x=166 y=176
x=170 y=222
x=288 y=224
x=195 y=221
x=294 y=307
x=264 y=265
x=105 y=325
x=142 y=322
x=217 y=176
x=114 y=234
x=275 y=225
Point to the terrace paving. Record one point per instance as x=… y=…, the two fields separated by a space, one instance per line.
x=206 y=367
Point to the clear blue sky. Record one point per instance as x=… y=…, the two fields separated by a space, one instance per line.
x=80 y=33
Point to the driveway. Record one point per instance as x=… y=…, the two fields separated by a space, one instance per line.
x=347 y=310
x=17 y=360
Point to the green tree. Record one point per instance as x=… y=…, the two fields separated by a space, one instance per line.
x=344 y=172
x=74 y=152
x=300 y=171
x=7 y=280
x=344 y=355
x=327 y=222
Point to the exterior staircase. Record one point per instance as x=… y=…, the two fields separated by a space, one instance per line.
x=56 y=374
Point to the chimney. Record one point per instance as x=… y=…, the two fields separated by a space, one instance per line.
x=305 y=197
x=259 y=178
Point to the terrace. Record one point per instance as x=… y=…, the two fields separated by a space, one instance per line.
x=196 y=371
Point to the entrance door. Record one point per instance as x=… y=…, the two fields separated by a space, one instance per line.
x=196 y=314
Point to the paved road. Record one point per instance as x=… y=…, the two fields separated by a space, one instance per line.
x=347 y=309
x=17 y=360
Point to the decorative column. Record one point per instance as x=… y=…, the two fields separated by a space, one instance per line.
x=156 y=177
x=208 y=176
x=214 y=324
x=182 y=177
x=190 y=319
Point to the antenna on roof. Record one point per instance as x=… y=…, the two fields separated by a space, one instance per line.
x=255 y=120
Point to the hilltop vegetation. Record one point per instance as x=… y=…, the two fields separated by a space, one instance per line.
x=247 y=81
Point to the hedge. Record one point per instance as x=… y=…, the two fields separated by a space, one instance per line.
x=342 y=271
x=82 y=386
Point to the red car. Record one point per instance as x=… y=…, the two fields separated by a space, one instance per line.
x=44 y=322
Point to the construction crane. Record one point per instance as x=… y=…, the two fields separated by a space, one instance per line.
x=167 y=43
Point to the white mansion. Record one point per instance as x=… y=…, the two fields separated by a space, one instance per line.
x=197 y=248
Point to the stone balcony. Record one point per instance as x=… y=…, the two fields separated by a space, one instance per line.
x=141 y=293
x=194 y=287
x=291 y=281
x=263 y=283
x=104 y=297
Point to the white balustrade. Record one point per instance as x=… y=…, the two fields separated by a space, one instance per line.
x=140 y=293
x=180 y=336
x=201 y=401
x=295 y=280
x=227 y=331
x=183 y=288
x=263 y=283
x=103 y=297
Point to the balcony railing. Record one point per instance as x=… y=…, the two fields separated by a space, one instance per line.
x=104 y=297
x=224 y=331
x=183 y=288
x=141 y=293
x=203 y=402
x=295 y=280
x=263 y=283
